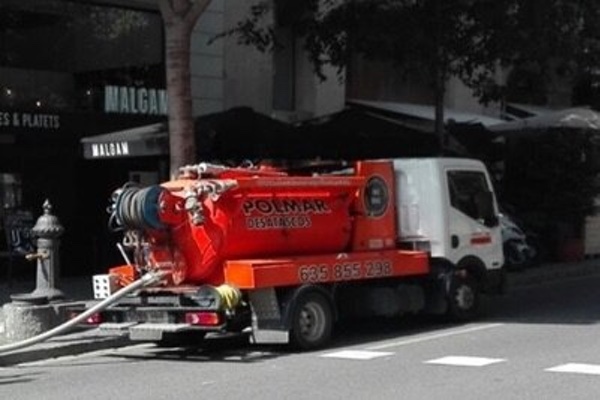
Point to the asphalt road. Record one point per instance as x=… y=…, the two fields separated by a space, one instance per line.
x=536 y=343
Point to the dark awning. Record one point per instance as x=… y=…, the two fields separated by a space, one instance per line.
x=423 y=113
x=147 y=140
x=237 y=133
x=357 y=133
x=571 y=118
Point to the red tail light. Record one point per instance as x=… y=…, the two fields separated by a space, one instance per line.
x=203 y=318
x=94 y=319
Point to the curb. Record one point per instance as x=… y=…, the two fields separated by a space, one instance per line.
x=65 y=345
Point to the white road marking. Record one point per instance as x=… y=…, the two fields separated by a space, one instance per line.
x=357 y=354
x=574 y=368
x=442 y=335
x=464 y=361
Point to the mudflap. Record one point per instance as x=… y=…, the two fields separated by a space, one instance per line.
x=268 y=325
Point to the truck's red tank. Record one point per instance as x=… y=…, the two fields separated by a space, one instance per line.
x=266 y=217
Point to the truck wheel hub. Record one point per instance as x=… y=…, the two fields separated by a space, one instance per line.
x=312 y=321
x=465 y=298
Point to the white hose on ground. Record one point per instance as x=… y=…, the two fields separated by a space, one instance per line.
x=147 y=279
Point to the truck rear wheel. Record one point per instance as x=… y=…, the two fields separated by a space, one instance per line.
x=464 y=298
x=312 y=321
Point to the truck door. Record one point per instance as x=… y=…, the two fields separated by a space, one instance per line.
x=473 y=224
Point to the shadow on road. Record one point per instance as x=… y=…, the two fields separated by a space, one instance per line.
x=573 y=301
x=236 y=349
x=11 y=378
x=569 y=301
x=241 y=350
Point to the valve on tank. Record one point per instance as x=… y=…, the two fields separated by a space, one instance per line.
x=192 y=205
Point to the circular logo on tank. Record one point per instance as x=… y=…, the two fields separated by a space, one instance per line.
x=376 y=197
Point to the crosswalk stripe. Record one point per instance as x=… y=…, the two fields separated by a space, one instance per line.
x=357 y=354
x=575 y=368
x=465 y=361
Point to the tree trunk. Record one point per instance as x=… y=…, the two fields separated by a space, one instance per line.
x=182 y=146
x=440 y=130
x=439 y=83
x=179 y=17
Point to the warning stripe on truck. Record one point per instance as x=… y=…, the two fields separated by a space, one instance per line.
x=481 y=239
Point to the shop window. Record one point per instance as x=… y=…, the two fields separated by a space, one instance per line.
x=60 y=55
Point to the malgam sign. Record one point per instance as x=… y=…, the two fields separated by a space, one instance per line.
x=135 y=100
x=110 y=149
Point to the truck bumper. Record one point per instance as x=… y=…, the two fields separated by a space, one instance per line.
x=145 y=331
x=152 y=323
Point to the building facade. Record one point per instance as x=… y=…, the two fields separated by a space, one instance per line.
x=72 y=69
x=69 y=70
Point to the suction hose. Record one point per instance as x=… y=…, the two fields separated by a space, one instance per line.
x=148 y=279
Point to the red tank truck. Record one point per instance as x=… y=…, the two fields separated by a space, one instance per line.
x=285 y=256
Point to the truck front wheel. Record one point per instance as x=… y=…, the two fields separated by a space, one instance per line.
x=463 y=298
x=312 y=321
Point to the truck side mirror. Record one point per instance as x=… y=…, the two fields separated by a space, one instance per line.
x=484 y=202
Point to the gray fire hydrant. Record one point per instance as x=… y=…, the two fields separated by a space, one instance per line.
x=30 y=314
x=47 y=230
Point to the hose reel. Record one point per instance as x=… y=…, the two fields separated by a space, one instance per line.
x=135 y=208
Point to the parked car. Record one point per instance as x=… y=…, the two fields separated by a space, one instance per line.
x=519 y=252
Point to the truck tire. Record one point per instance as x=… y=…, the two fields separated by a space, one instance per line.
x=464 y=298
x=312 y=321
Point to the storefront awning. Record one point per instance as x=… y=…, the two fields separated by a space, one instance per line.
x=358 y=133
x=237 y=133
x=466 y=136
x=147 y=140
x=571 y=118
x=426 y=112
x=517 y=111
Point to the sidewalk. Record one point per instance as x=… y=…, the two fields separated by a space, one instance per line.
x=74 y=288
x=79 y=288
x=76 y=342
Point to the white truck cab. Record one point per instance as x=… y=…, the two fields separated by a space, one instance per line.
x=447 y=206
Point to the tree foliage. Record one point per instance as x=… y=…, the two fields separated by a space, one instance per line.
x=547 y=41
x=551 y=180
x=468 y=39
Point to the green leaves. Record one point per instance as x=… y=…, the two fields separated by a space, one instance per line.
x=542 y=40
x=550 y=176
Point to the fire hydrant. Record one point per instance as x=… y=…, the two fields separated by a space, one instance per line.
x=30 y=314
x=47 y=230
